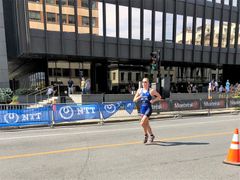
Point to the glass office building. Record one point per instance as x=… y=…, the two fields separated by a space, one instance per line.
x=54 y=40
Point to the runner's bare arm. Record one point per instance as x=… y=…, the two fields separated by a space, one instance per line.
x=137 y=96
x=156 y=95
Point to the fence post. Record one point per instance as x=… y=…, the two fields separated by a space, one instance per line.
x=227 y=101
x=53 y=108
x=101 y=122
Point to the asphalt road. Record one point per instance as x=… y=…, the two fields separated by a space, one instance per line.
x=188 y=148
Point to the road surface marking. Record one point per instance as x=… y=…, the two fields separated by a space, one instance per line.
x=107 y=146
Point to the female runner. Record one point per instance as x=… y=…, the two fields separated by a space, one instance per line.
x=145 y=95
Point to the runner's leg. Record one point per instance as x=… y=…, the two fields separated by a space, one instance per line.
x=149 y=129
x=144 y=124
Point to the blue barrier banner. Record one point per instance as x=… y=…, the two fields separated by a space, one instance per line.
x=109 y=109
x=129 y=106
x=75 y=112
x=21 y=117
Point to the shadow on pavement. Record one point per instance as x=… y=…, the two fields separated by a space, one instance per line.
x=164 y=143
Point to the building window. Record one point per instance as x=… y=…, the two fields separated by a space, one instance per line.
x=147 y=25
x=71 y=19
x=122 y=76
x=158 y=26
x=207 y=32
x=123 y=22
x=100 y=19
x=138 y=76
x=224 y=34
x=234 y=3
x=85 y=4
x=34 y=15
x=64 y=2
x=51 y=17
x=50 y=72
x=179 y=30
x=189 y=28
x=66 y=72
x=110 y=20
x=216 y=33
x=58 y=72
x=198 y=35
x=232 y=35
x=129 y=76
x=226 y=2
x=50 y=1
x=169 y=27
x=81 y=73
x=85 y=21
x=71 y=2
x=114 y=76
x=94 y=21
x=218 y=1
x=135 y=23
x=36 y=1
x=64 y=18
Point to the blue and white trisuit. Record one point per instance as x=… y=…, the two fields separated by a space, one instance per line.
x=146 y=107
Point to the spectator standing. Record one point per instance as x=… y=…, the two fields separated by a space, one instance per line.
x=88 y=86
x=216 y=86
x=194 y=89
x=70 y=86
x=49 y=91
x=227 y=86
x=189 y=87
x=83 y=85
x=221 y=89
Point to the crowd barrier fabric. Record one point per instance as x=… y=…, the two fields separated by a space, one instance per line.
x=185 y=105
x=234 y=103
x=213 y=103
x=109 y=109
x=75 y=112
x=161 y=106
x=21 y=117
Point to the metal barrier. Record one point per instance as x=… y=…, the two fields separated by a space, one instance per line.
x=36 y=114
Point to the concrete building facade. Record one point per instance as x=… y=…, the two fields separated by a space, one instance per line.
x=198 y=40
x=4 y=80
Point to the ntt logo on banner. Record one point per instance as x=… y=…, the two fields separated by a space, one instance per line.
x=21 y=117
x=14 y=118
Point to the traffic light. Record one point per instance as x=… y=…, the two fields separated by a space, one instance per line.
x=155 y=66
x=154 y=61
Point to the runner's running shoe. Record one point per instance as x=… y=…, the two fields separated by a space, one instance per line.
x=145 y=139
x=152 y=138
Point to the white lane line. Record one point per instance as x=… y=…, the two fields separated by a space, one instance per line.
x=113 y=130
